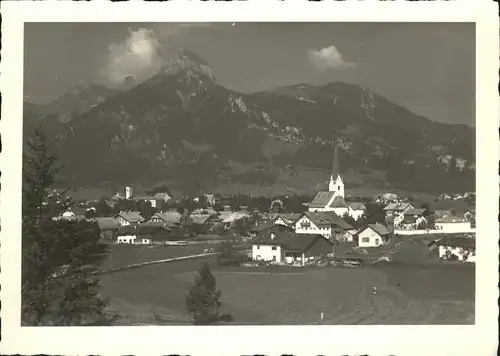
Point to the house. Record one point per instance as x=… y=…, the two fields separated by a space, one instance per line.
x=172 y=217
x=151 y=199
x=286 y=219
x=453 y=224
x=414 y=218
x=126 y=218
x=333 y=199
x=457 y=248
x=269 y=227
x=289 y=247
x=373 y=235
x=74 y=213
x=109 y=227
x=350 y=235
x=397 y=208
x=327 y=224
x=145 y=234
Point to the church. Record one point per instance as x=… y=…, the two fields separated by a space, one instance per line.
x=333 y=199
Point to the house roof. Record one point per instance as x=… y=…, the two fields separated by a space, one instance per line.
x=397 y=206
x=200 y=219
x=262 y=227
x=415 y=211
x=327 y=218
x=107 y=223
x=321 y=199
x=302 y=242
x=132 y=216
x=290 y=240
x=357 y=205
x=338 y=202
x=288 y=218
x=172 y=217
x=378 y=228
x=235 y=216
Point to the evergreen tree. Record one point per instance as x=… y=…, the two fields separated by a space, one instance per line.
x=57 y=256
x=203 y=299
x=102 y=208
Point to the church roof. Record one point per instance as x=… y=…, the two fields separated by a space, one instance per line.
x=321 y=199
x=338 y=202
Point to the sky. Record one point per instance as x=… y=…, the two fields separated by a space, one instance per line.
x=429 y=68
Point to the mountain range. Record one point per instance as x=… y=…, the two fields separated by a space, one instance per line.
x=182 y=127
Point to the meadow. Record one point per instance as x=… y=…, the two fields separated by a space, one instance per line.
x=436 y=293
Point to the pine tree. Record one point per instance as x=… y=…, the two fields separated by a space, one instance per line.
x=203 y=299
x=57 y=256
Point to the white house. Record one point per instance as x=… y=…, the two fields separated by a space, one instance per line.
x=373 y=235
x=126 y=218
x=333 y=200
x=327 y=224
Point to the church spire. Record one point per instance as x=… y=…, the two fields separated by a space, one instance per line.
x=335 y=167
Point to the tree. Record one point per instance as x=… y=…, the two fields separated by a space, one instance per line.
x=203 y=299
x=90 y=214
x=39 y=169
x=57 y=256
x=102 y=208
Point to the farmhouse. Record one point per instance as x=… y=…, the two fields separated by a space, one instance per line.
x=126 y=218
x=333 y=199
x=457 y=248
x=289 y=247
x=146 y=234
x=109 y=227
x=373 y=235
x=327 y=224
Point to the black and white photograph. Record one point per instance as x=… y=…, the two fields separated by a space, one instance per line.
x=249 y=173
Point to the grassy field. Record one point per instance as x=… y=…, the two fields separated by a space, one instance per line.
x=407 y=294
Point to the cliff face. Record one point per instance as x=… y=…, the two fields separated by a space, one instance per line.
x=181 y=125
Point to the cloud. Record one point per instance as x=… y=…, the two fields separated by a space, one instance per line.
x=137 y=56
x=328 y=58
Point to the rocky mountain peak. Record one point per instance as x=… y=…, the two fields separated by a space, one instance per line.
x=189 y=64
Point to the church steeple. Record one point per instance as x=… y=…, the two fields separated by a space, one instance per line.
x=336 y=184
x=335 y=167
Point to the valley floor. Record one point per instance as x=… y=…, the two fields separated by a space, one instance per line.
x=407 y=294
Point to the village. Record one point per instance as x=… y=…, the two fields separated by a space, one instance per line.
x=332 y=224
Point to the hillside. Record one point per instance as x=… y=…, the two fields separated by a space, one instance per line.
x=182 y=127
